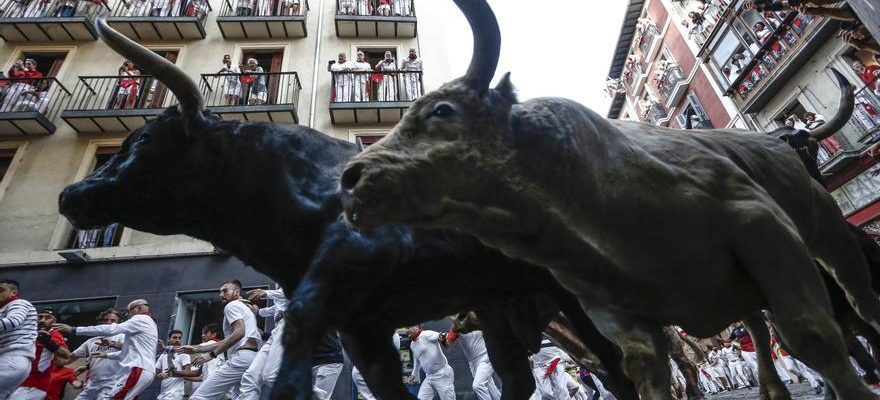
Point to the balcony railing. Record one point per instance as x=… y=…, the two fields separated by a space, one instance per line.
x=866 y=114
x=667 y=80
x=160 y=19
x=266 y=96
x=113 y=103
x=373 y=96
x=655 y=112
x=263 y=19
x=778 y=45
x=375 y=18
x=704 y=27
x=49 y=20
x=104 y=236
x=29 y=105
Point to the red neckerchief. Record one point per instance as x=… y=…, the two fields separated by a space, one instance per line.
x=11 y=299
x=416 y=336
x=551 y=367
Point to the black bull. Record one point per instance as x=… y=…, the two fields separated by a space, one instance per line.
x=267 y=194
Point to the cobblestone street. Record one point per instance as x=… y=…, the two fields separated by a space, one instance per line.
x=800 y=391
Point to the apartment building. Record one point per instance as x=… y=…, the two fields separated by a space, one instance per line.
x=59 y=125
x=755 y=71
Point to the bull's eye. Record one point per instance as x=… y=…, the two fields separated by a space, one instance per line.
x=442 y=110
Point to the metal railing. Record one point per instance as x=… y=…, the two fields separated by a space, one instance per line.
x=43 y=95
x=655 y=112
x=362 y=86
x=113 y=92
x=384 y=8
x=261 y=8
x=52 y=8
x=667 y=80
x=254 y=89
x=161 y=8
x=828 y=149
x=866 y=114
x=701 y=30
x=104 y=236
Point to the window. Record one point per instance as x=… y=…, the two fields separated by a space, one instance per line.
x=197 y=309
x=104 y=236
x=365 y=141
x=78 y=313
x=6 y=156
x=699 y=117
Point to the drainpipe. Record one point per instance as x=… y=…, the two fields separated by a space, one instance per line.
x=320 y=33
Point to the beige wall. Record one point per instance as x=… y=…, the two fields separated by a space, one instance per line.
x=31 y=230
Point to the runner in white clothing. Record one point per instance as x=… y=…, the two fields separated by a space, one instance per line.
x=136 y=359
x=260 y=376
x=210 y=335
x=18 y=335
x=102 y=371
x=428 y=356
x=551 y=380
x=240 y=345
x=168 y=368
x=359 y=380
x=475 y=351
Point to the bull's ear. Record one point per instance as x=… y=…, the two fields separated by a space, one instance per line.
x=505 y=89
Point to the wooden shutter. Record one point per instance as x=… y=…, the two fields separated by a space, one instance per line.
x=158 y=95
x=274 y=80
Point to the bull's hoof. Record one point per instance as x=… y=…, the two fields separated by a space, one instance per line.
x=774 y=392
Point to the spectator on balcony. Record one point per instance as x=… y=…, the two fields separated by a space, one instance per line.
x=244 y=8
x=362 y=78
x=403 y=7
x=232 y=82
x=258 y=90
x=17 y=85
x=868 y=73
x=136 y=8
x=129 y=83
x=813 y=120
x=412 y=79
x=36 y=99
x=342 y=82
x=762 y=32
x=262 y=8
x=347 y=7
x=66 y=8
x=728 y=74
x=384 y=8
x=162 y=8
x=289 y=7
x=36 y=8
x=387 y=83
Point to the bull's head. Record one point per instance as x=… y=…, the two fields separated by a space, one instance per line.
x=460 y=133
x=143 y=184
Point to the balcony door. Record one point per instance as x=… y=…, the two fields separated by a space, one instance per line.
x=153 y=93
x=271 y=61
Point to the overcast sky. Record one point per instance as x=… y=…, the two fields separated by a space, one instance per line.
x=542 y=39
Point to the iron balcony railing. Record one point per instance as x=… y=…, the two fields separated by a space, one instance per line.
x=52 y=8
x=703 y=25
x=383 y=8
x=382 y=86
x=251 y=89
x=103 y=236
x=667 y=80
x=161 y=8
x=866 y=114
x=113 y=92
x=655 y=112
x=43 y=95
x=261 y=8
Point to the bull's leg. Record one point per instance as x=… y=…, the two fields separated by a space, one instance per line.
x=508 y=356
x=644 y=346
x=858 y=352
x=687 y=368
x=374 y=355
x=770 y=250
x=771 y=386
x=843 y=258
x=303 y=327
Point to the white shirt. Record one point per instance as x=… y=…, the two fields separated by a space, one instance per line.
x=362 y=66
x=234 y=311
x=100 y=369
x=337 y=66
x=279 y=304
x=139 y=346
x=474 y=346
x=209 y=366
x=411 y=65
x=546 y=355
x=170 y=385
x=427 y=353
x=730 y=354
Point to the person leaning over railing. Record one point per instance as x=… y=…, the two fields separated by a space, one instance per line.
x=387 y=82
x=412 y=79
x=342 y=82
x=362 y=79
x=34 y=100
x=258 y=90
x=232 y=80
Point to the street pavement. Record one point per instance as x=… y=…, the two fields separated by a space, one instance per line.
x=800 y=391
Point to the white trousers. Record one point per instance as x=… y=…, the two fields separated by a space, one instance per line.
x=172 y=395
x=226 y=377
x=738 y=377
x=751 y=359
x=13 y=371
x=551 y=387
x=798 y=368
x=129 y=384
x=484 y=386
x=260 y=376
x=387 y=89
x=343 y=86
x=324 y=378
x=360 y=87
x=95 y=388
x=442 y=382
x=361 y=384
x=28 y=393
x=411 y=84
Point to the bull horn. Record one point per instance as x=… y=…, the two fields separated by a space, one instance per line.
x=487 y=41
x=844 y=110
x=190 y=99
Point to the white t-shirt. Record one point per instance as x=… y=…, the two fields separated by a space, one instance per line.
x=100 y=369
x=139 y=346
x=474 y=346
x=730 y=354
x=427 y=353
x=209 y=366
x=170 y=385
x=546 y=355
x=234 y=311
